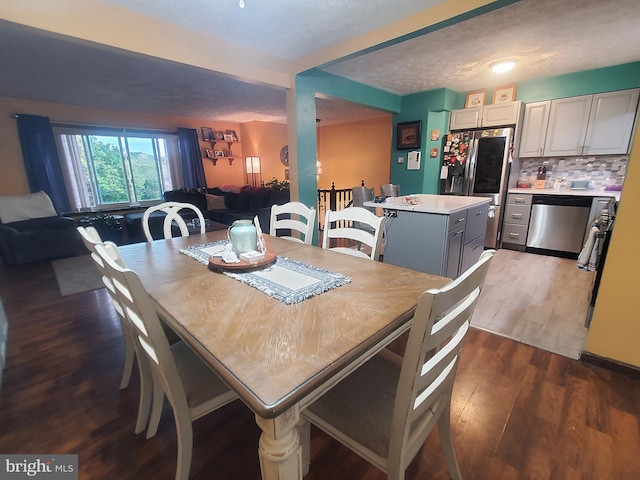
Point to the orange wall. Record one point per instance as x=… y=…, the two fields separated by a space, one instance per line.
x=13 y=179
x=350 y=153
x=265 y=140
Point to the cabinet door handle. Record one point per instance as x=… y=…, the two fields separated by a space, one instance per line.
x=513 y=235
x=478 y=213
x=460 y=220
x=518 y=200
x=516 y=215
x=541 y=150
x=459 y=232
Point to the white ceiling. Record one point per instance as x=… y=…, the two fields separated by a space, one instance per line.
x=546 y=37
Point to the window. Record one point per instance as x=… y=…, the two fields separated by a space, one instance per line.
x=114 y=168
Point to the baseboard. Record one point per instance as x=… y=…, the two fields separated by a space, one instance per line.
x=610 y=364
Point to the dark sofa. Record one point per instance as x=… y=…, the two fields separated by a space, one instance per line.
x=222 y=205
x=32 y=230
x=38 y=239
x=225 y=205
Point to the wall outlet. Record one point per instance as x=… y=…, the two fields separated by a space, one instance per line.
x=400 y=159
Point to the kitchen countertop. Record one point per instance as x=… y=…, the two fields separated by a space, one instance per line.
x=574 y=193
x=440 y=204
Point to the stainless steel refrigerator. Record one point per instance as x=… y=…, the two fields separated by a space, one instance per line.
x=477 y=163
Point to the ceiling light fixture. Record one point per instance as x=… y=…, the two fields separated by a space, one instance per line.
x=241 y=3
x=503 y=66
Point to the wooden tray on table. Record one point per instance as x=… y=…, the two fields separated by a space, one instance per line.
x=216 y=263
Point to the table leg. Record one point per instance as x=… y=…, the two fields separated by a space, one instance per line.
x=279 y=448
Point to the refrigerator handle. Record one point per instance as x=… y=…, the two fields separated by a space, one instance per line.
x=471 y=166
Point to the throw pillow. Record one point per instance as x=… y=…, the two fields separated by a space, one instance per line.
x=15 y=208
x=215 y=202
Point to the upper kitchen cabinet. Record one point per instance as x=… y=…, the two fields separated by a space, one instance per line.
x=611 y=122
x=568 y=118
x=534 y=129
x=599 y=124
x=485 y=116
x=465 y=118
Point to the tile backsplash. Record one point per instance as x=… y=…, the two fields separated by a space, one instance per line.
x=602 y=171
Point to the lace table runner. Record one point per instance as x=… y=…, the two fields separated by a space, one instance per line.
x=288 y=281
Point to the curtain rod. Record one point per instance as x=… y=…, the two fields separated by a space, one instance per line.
x=15 y=116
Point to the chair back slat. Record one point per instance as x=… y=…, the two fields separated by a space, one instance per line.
x=142 y=316
x=172 y=211
x=303 y=223
x=437 y=334
x=358 y=226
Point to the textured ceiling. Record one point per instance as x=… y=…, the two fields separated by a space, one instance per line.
x=287 y=29
x=547 y=37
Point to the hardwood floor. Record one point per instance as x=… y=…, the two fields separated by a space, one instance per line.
x=518 y=412
x=538 y=300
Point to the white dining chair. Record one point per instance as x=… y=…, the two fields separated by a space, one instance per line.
x=303 y=224
x=385 y=410
x=172 y=211
x=352 y=227
x=191 y=387
x=90 y=238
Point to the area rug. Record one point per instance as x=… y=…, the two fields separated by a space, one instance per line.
x=76 y=274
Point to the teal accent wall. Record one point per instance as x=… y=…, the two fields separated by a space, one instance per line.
x=619 y=77
x=432 y=109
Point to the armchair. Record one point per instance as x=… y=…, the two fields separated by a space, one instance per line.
x=31 y=230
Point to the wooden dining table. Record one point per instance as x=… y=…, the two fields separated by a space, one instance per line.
x=279 y=357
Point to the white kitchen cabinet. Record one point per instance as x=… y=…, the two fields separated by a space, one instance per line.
x=465 y=118
x=534 y=129
x=501 y=114
x=568 y=119
x=611 y=122
x=485 y=116
x=600 y=124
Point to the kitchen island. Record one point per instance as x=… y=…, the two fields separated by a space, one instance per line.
x=438 y=234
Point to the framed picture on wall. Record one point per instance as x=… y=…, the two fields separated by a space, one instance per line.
x=408 y=135
x=218 y=135
x=504 y=94
x=207 y=134
x=476 y=98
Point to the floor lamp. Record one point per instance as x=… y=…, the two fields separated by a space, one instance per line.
x=253 y=171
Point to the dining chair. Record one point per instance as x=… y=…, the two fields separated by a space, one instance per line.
x=293 y=208
x=362 y=194
x=385 y=410
x=191 y=387
x=390 y=190
x=354 y=225
x=172 y=210
x=90 y=237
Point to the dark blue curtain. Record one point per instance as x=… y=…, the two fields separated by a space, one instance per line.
x=192 y=168
x=41 y=159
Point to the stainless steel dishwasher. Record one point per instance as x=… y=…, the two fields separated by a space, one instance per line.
x=558 y=223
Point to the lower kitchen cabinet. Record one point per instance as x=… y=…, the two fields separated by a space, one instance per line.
x=516 y=221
